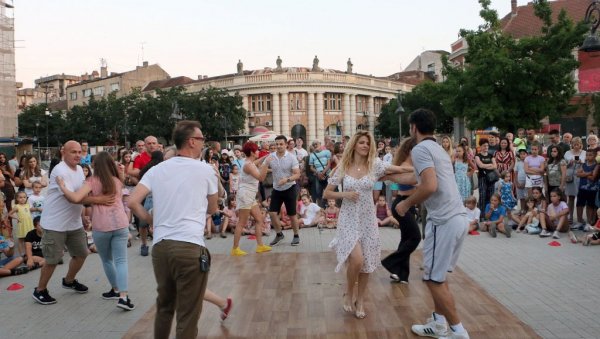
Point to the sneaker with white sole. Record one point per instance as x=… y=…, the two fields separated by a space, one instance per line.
x=43 y=297
x=110 y=295
x=545 y=234
x=431 y=329
x=588 y=228
x=125 y=304
x=75 y=286
x=555 y=235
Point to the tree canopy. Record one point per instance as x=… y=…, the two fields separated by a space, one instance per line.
x=427 y=95
x=116 y=120
x=508 y=82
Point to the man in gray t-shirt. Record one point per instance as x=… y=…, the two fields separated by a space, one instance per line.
x=446 y=224
x=446 y=202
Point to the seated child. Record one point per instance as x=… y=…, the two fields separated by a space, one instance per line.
x=473 y=214
x=384 y=214
x=331 y=214
x=310 y=213
x=593 y=238
x=267 y=221
x=214 y=223
x=557 y=212
x=230 y=219
x=284 y=218
x=10 y=264
x=494 y=217
x=33 y=246
x=530 y=222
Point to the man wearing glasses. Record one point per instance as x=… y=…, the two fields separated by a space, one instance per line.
x=180 y=259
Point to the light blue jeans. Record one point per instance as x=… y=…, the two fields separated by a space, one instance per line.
x=112 y=248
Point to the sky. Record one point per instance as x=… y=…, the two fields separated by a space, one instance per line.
x=207 y=37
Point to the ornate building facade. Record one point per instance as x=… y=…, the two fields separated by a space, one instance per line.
x=307 y=102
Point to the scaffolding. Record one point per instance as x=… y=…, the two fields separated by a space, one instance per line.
x=8 y=89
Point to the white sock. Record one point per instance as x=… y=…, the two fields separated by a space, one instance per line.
x=458 y=328
x=440 y=319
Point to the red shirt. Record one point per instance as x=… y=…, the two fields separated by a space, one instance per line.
x=262 y=153
x=141 y=160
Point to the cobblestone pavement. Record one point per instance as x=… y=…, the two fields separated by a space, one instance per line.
x=553 y=289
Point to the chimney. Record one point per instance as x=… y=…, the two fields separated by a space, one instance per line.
x=103 y=72
x=513 y=7
x=145 y=64
x=200 y=77
x=205 y=77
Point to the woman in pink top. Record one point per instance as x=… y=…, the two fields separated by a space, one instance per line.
x=109 y=225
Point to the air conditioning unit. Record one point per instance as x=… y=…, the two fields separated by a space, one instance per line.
x=268 y=123
x=250 y=114
x=251 y=124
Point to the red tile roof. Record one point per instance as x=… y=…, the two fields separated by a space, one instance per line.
x=525 y=23
x=167 y=83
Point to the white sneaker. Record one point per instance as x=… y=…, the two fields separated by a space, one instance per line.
x=555 y=235
x=588 y=228
x=431 y=329
x=544 y=234
x=454 y=335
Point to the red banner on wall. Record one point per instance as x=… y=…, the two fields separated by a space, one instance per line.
x=589 y=72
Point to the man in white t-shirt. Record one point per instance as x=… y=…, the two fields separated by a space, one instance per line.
x=181 y=204
x=62 y=224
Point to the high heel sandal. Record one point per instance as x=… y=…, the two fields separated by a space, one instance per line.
x=346 y=307
x=359 y=314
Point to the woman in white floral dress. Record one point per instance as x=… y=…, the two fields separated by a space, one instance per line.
x=357 y=240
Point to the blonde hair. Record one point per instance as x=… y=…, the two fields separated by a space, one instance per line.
x=576 y=140
x=450 y=149
x=348 y=156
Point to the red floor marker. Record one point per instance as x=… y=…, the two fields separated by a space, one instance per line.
x=554 y=243
x=14 y=287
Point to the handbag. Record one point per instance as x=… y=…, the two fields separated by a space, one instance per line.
x=536 y=182
x=492 y=176
x=325 y=176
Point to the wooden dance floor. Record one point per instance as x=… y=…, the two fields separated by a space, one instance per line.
x=298 y=295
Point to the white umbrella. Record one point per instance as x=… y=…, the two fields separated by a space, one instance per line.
x=269 y=136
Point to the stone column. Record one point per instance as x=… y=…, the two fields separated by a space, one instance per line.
x=371 y=105
x=245 y=105
x=311 y=133
x=353 y=113
x=276 y=113
x=285 y=115
x=320 y=117
x=347 y=128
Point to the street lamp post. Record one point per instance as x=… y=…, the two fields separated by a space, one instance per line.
x=592 y=17
x=399 y=111
x=37 y=136
x=48 y=114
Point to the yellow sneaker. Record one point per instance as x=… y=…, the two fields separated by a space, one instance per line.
x=237 y=252
x=263 y=248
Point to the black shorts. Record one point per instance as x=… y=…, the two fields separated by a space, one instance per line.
x=287 y=197
x=586 y=198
